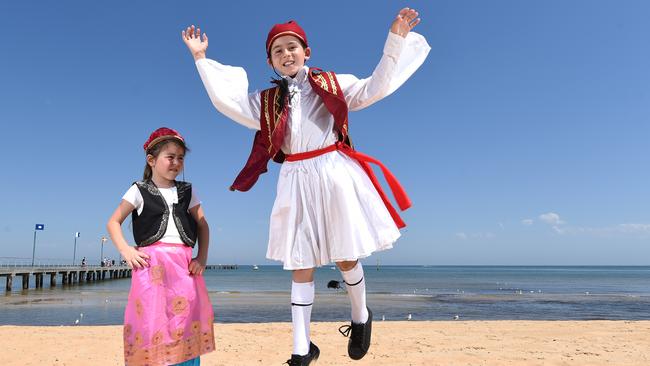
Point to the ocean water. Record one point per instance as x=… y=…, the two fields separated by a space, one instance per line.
x=394 y=292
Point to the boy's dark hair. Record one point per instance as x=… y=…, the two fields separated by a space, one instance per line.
x=155 y=151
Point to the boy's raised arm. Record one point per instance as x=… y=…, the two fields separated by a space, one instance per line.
x=226 y=85
x=404 y=52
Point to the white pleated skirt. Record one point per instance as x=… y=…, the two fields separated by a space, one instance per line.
x=327 y=210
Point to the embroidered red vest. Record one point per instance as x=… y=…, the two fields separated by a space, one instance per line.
x=273 y=122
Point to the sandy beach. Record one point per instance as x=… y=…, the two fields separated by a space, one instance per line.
x=394 y=343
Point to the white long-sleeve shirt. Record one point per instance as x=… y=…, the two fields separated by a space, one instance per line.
x=310 y=124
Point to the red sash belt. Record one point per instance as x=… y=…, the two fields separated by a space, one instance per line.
x=364 y=160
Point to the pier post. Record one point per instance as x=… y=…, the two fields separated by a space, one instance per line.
x=38 y=280
x=25 y=281
x=64 y=278
x=52 y=279
x=10 y=281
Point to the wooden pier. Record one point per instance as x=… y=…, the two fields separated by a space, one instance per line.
x=222 y=266
x=68 y=274
x=74 y=274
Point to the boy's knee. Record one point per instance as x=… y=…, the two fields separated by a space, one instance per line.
x=346 y=265
x=303 y=275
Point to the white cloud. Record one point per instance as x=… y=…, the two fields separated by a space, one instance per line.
x=606 y=231
x=559 y=230
x=551 y=218
x=479 y=235
x=634 y=228
x=527 y=222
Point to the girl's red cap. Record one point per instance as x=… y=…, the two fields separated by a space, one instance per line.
x=163 y=133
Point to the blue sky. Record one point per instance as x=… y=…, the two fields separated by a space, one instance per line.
x=521 y=140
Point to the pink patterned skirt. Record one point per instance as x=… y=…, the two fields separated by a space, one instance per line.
x=168 y=318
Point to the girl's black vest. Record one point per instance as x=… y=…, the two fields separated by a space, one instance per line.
x=151 y=224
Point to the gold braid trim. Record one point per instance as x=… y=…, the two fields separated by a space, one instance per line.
x=323 y=83
x=265 y=106
x=334 y=90
x=277 y=113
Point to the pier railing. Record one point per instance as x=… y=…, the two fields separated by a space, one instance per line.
x=43 y=262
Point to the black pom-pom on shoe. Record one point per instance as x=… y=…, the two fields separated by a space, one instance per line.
x=334 y=284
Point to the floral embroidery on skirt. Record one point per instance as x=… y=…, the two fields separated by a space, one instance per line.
x=168 y=318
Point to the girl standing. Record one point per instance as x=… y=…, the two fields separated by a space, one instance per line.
x=168 y=317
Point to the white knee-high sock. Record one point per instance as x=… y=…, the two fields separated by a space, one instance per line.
x=356 y=286
x=302 y=298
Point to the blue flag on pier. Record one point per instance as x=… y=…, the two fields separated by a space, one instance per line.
x=40 y=227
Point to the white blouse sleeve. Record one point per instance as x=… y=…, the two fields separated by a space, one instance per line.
x=194 y=201
x=227 y=87
x=402 y=56
x=134 y=197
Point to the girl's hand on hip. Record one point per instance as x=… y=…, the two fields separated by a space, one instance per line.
x=194 y=42
x=135 y=258
x=197 y=267
x=405 y=21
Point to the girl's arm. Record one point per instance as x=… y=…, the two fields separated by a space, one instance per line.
x=197 y=265
x=403 y=54
x=226 y=85
x=133 y=257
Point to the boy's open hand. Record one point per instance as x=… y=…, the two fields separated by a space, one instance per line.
x=405 y=21
x=196 y=44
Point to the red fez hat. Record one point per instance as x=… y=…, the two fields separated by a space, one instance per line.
x=290 y=28
x=161 y=134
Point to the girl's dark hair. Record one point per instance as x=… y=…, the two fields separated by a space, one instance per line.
x=155 y=151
